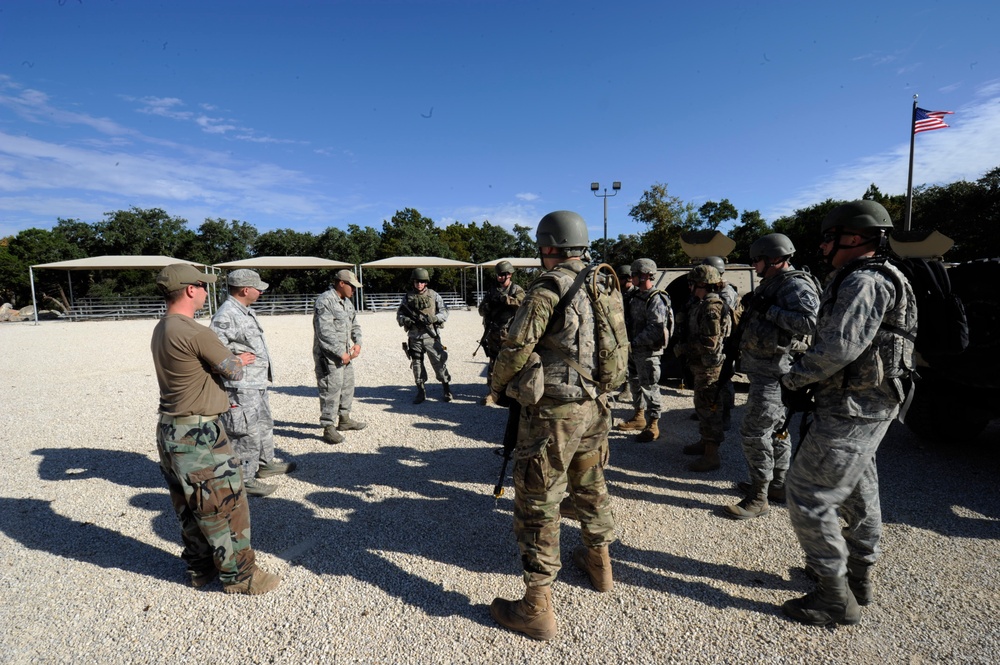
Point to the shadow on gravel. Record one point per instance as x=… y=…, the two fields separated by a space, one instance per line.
x=296 y=391
x=398 y=516
x=116 y=466
x=659 y=571
x=35 y=525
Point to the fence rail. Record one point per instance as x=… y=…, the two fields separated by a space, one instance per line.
x=380 y=301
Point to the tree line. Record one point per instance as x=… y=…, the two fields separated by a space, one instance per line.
x=964 y=211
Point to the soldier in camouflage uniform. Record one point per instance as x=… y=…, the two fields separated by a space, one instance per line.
x=336 y=343
x=561 y=440
x=248 y=421
x=777 y=325
x=202 y=473
x=628 y=290
x=709 y=324
x=862 y=349
x=421 y=313
x=497 y=309
x=731 y=297
x=649 y=323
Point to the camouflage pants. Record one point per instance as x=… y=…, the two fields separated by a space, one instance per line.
x=336 y=393
x=644 y=382
x=206 y=490
x=431 y=346
x=767 y=456
x=834 y=476
x=559 y=448
x=708 y=404
x=250 y=428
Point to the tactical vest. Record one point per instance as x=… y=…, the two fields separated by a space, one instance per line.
x=422 y=303
x=574 y=336
x=890 y=355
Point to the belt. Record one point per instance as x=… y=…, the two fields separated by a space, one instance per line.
x=186 y=420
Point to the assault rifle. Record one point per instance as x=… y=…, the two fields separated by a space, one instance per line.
x=509 y=442
x=419 y=319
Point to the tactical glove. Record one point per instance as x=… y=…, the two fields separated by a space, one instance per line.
x=798 y=401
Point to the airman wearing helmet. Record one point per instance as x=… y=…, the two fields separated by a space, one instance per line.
x=499 y=304
x=778 y=323
x=568 y=421
x=421 y=313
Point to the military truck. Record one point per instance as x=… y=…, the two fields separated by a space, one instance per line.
x=956 y=396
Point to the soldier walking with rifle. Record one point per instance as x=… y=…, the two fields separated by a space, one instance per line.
x=497 y=309
x=776 y=326
x=421 y=312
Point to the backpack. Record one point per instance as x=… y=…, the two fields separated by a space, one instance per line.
x=942 y=326
x=604 y=291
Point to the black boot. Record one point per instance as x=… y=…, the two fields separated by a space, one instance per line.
x=447 y=392
x=421 y=394
x=832 y=602
x=859 y=580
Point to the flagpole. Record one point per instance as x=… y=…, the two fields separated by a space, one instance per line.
x=909 y=177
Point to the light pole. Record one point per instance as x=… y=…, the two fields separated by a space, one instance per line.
x=594 y=187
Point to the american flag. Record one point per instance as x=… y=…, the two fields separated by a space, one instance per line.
x=925 y=121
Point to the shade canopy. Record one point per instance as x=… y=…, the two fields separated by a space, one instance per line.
x=518 y=262
x=417 y=262
x=294 y=262
x=136 y=262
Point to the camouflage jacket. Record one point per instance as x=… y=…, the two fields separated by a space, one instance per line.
x=858 y=356
x=772 y=335
x=335 y=328
x=237 y=328
x=650 y=321
x=573 y=336
x=709 y=324
x=428 y=303
x=499 y=306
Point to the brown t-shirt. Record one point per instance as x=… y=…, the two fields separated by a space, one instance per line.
x=184 y=353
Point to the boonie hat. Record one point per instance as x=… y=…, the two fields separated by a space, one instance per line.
x=178 y=275
x=245 y=277
x=347 y=276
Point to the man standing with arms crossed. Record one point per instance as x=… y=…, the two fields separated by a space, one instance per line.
x=862 y=349
x=202 y=474
x=336 y=342
x=562 y=440
x=248 y=421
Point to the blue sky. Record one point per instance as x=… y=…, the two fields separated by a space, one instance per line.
x=306 y=115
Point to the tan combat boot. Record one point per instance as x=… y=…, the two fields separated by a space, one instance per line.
x=597 y=564
x=532 y=615
x=709 y=461
x=651 y=433
x=637 y=422
x=260 y=581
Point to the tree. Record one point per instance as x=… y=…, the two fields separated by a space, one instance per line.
x=713 y=214
x=143 y=232
x=219 y=241
x=286 y=242
x=751 y=227
x=666 y=217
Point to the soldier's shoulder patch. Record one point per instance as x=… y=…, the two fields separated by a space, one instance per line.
x=222 y=324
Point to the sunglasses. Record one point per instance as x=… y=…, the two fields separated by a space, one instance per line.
x=420 y=281
x=200 y=285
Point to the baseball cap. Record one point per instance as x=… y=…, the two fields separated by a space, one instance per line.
x=347 y=276
x=178 y=275
x=245 y=277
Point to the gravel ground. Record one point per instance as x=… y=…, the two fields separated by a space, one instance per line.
x=391 y=545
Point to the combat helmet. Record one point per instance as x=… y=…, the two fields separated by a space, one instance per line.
x=502 y=267
x=860 y=215
x=772 y=246
x=704 y=274
x=644 y=267
x=716 y=262
x=563 y=229
x=624 y=271
x=420 y=274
